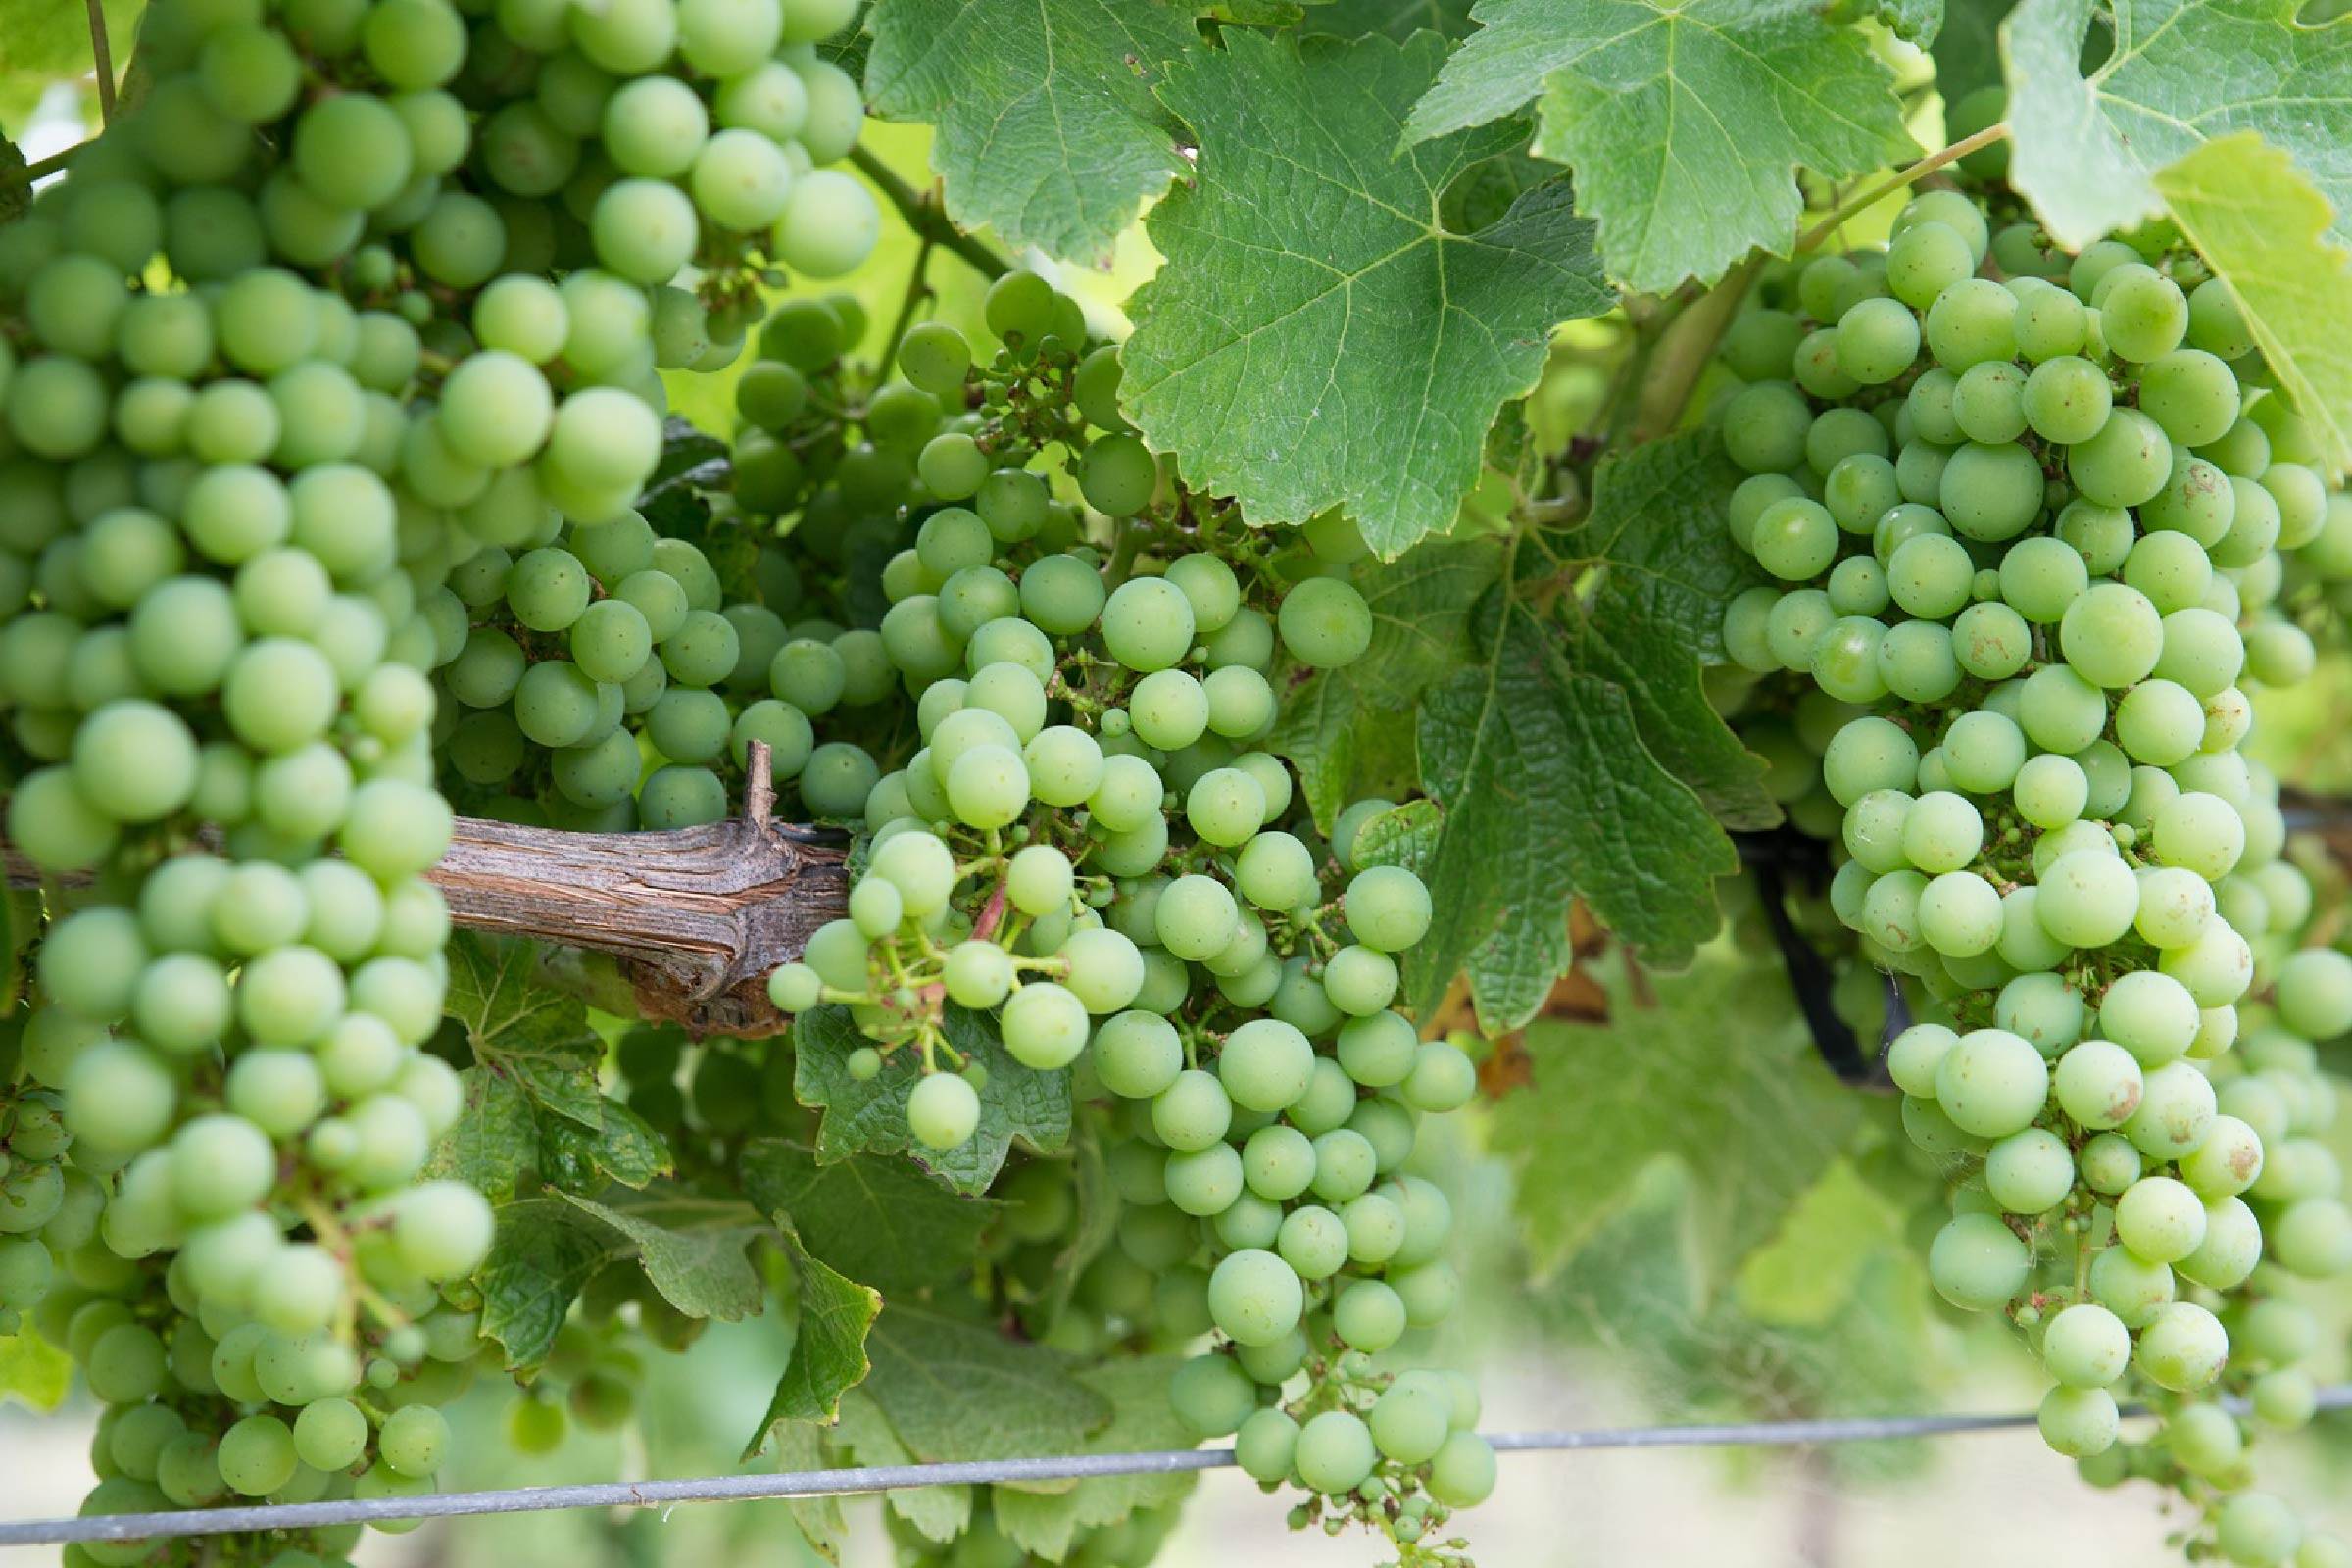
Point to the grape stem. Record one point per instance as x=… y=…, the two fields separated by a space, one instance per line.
x=1927 y=165
x=40 y=167
x=926 y=216
x=1680 y=353
x=102 y=60
x=918 y=289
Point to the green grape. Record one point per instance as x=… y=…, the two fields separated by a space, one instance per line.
x=943 y=1110
x=1978 y=1263
x=1118 y=474
x=1256 y=1297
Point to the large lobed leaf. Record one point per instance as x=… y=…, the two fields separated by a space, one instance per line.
x=875 y=1219
x=1317 y=338
x=956 y=1390
x=1685 y=124
x=1572 y=753
x=1046 y=1522
x=1047 y=129
x=2088 y=147
x=1717 y=1073
x=2264 y=230
x=833 y=1315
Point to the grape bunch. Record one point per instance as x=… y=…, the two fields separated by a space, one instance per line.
x=2024 y=515
x=1086 y=846
x=352 y=294
x=613 y=679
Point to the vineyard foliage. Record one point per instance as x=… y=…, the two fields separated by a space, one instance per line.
x=1720 y=609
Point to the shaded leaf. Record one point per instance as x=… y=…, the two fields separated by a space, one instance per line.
x=873 y=1218
x=1315 y=338
x=833 y=1316
x=691 y=1249
x=955 y=1390
x=1047 y=129
x=541 y=1257
x=1808 y=1272
x=1349 y=731
x=1543 y=788
x=537 y=1037
x=822 y=1522
x=1968 y=51
x=1667 y=567
x=33 y=1372
x=1685 y=124
x=2264 y=230
x=2085 y=148
x=1717 y=1074
x=1047 y=1523
x=871 y=1117
x=939 y=1513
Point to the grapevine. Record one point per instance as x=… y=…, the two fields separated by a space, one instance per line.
x=632 y=705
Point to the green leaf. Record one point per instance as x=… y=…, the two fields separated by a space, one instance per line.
x=1316 y=338
x=1096 y=1224
x=937 y=1513
x=1717 y=1074
x=871 y=1117
x=2085 y=149
x=1542 y=787
x=691 y=1249
x=2265 y=231
x=33 y=1371
x=495 y=1142
x=834 y=1315
x=1395 y=19
x=1915 y=21
x=873 y=1218
x=536 y=1036
x=1685 y=124
x=547 y=1249
x=1667 y=567
x=1349 y=731
x=625 y=1150
x=1047 y=128
x=44 y=41
x=1047 y=1523
x=1968 y=51
x=955 y=1390
x=1814 y=1263
x=542 y=1254
x=821 y=1520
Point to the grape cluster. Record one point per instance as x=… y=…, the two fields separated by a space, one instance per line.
x=1086 y=846
x=612 y=676
x=352 y=294
x=2024 y=514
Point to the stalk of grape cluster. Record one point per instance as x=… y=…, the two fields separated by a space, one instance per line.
x=2023 y=513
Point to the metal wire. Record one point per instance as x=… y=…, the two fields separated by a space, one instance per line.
x=891 y=1477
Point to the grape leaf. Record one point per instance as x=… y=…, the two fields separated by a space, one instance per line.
x=871 y=1117
x=937 y=1513
x=44 y=41
x=834 y=1315
x=1543 y=787
x=33 y=1371
x=533 y=1102
x=2086 y=147
x=546 y=1250
x=1316 y=338
x=1399 y=20
x=955 y=1390
x=1667 y=567
x=1349 y=731
x=542 y=1254
x=822 y=1521
x=874 y=1219
x=1096 y=1224
x=1047 y=1523
x=1968 y=49
x=1747 y=1109
x=1047 y=129
x=1814 y=1262
x=529 y=1033
x=2264 y=230
x=1685 y=123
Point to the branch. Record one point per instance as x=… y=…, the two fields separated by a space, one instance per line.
x=697 y=917
x=1682 y=353
x=926 y=217
x=25 y=174
x=1879 y=193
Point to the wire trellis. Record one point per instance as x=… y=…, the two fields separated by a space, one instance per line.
x=863 y=1479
